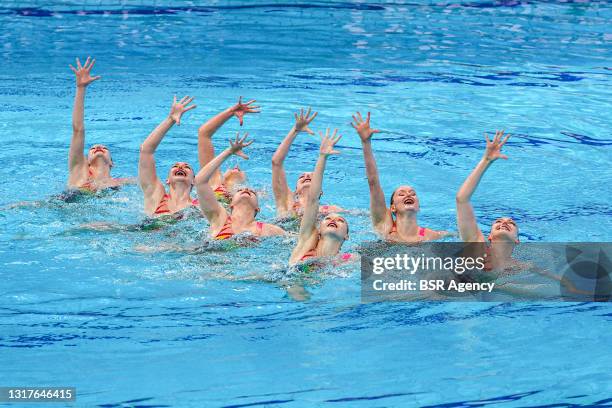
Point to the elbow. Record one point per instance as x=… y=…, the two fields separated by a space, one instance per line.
x=77 y=128
x=276 y=161
x=144 y=149
x=461 y=198
x=204 y=132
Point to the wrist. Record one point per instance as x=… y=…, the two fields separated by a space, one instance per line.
x=170 y=119
x=486 y=161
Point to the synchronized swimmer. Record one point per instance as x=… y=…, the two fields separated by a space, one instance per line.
x=231 y=207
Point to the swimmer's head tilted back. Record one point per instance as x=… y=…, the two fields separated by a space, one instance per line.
x=180 y=172
x=303 y=182
x=404 y=199
x=245 y=197
x=234 y=176
x=334 y=226
x=504 y=229
x=99 y=154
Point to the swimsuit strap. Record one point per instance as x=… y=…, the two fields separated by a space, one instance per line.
x=226 y=230
x=162 y=207
x=311 y=253
x=421 y=232
x=393 y=228
x=89 y=184
x=222 y=192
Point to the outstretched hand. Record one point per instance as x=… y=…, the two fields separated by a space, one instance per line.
x=240 y=109
x=328 y=142
x=83 y=72
x=363 y=127
x=493 y=150
x=302 y=121
x=180 y=107
x=238 y=144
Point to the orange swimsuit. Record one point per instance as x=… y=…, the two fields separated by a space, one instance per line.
x=421 y=230
x=162 y=207
x=312 y=253
x=89 y=185
x=226 y=231
x=222 y=193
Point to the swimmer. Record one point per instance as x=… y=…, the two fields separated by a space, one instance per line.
x=223 y=184
x=157 y=201
x=244 y=204
x=290 y=203
x=503 y=236
x=325 y=240
x=398 y=222
x=91 y=173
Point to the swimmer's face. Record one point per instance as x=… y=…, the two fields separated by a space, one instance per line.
x=303 y=182
x=234 y=175
x=99 y=152
x=404 y=199
x=504 y=229
x=334 y=225
x=245 y=196
x=181 y=172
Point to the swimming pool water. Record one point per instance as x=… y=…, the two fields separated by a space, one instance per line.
x=131 y=321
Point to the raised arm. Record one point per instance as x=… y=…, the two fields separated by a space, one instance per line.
x=378 y=207
x=466 y=220
x=150 y=184
x=309 y=218
x=282 y=192
x=214 y=212
x=206 y=150
x=76 y=159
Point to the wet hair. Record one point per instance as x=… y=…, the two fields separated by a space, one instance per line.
x=392 y=195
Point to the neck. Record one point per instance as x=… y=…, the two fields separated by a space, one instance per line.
x=501 y=251
x=179 y=192
x=406 y=224
x=302 y=198
x=242 y=215
x=99 y=170
x=328 y=246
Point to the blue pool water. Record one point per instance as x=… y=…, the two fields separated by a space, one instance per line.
x=127 y=325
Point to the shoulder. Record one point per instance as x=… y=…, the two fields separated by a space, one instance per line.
x=271 y=229
x=435 y=234
x=78 y=175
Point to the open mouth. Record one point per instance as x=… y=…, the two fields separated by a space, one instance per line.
x=409 y=201
x=180 y=173
x=332 y=224
x=504 y=227
x=98 y=150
